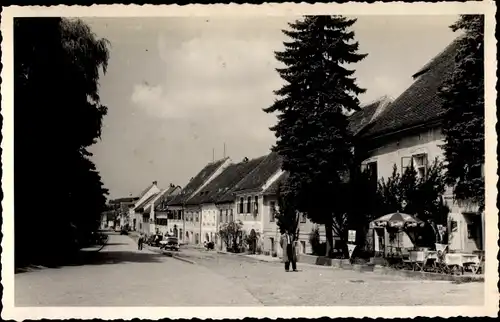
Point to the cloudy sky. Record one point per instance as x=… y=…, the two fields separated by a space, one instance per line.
x=178 y=87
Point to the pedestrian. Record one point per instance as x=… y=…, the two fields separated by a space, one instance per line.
x=289 y=251
x=139 y=242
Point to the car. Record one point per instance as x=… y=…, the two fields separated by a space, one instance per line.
x=155 y=240
x=170 y=243
x=123 y=232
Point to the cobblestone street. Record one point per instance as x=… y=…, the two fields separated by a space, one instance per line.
x=120 y=275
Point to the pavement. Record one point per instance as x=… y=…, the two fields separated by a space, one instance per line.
x=120 y=275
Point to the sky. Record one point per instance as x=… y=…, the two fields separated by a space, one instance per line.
x=177 y=88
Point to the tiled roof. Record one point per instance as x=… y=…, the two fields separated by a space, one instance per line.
x=126 y=199
x=145 y=190
x=196 y=182
x=159 y=197
x=141 y=206
x=162 y=205
x=222 y=184
x=258 y=177
x=360 y=119
x=273 y=188
x=419 y=104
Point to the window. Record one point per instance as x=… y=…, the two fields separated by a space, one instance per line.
x=303 y=218
x=240 y=206
x=227 y=219
x=197 y=218
x=371 y=170
x=230 y=215
x=420 y=164
x=220 y=216
x=303 y=244
x=256 y=205
x=249 y=205
x=406 y=163
x=471 y=231
x=272 y=211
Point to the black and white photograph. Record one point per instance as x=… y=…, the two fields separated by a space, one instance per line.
x=231 y=161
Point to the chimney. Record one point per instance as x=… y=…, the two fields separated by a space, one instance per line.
x=155 y=183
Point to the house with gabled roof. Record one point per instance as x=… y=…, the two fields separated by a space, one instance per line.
x=408 y=132
x=270 y=229
x=134 y=221
x=147 y=208
x=219 y=190
x=247 y=195
x=190 y=214
x=123 y=205
x=166 y=221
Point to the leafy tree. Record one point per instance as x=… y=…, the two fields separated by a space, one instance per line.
x=57 y=115
x=312 y=130
x=463 y=101
x=232 y=235
x=286 y=215
x=389 y=195
x=418 y=196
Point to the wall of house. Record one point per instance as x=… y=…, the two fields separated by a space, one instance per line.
x=145 y=224
x=466 y=234
x=428 y=141
x=192 y=224
x=138 y=217
x=230 y=206
x=271 y=233
x=209 y=213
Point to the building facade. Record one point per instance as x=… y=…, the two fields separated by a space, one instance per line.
x=190 y=212
x=408 y=133
x=135 y=221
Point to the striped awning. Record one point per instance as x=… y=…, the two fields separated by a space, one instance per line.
x=397 y=220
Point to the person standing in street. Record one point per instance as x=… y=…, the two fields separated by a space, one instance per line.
x=139 y=242
x=289 y=251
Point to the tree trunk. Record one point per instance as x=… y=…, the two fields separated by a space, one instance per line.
x=329 y=238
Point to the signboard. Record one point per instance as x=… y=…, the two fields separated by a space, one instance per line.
x=350 y=248
x=351 y=236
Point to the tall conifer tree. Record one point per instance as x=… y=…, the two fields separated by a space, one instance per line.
x=463 y=100
x=312 y=130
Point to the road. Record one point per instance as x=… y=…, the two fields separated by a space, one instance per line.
x=120 y=275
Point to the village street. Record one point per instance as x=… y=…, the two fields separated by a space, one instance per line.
x=120 y=275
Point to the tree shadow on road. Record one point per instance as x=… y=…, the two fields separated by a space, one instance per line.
x=101 y=258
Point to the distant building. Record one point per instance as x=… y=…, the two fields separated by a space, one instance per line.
x=135 y=218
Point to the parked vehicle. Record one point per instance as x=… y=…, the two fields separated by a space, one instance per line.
x=209 y=245
x=154 y=240
x=123 y=232
x=170 y=243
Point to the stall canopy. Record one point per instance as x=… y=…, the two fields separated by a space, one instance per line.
x=397 y=220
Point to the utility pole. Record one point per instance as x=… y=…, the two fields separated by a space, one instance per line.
x=213 y=155
x=224 y=150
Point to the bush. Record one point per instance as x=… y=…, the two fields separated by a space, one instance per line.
x=275 y=254
x=314 y=240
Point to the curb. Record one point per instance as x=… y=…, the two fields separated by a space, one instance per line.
x=428 y=275
x=183 y=259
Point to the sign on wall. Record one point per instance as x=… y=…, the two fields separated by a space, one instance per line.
x=351 y=237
